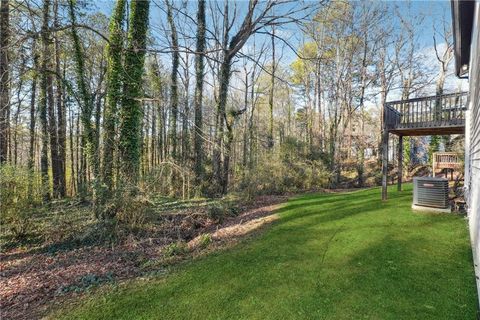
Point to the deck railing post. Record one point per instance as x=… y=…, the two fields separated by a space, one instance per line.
x=384 y=155
x=400 y=162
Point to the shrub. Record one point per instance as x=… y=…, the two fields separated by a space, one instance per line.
x=175 y=249
x=169 y=179
x=133 y=211
x=18 y=218
x=19 y=200
x=216 y=212
x=204 y=240
x=128 y=206
x=233 y=210
x=290 y=169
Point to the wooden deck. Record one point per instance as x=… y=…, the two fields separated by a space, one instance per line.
x=426 y=116
x=435 y=115
x=446 y=160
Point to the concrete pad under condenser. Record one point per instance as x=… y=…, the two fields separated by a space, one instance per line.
x=431 y=209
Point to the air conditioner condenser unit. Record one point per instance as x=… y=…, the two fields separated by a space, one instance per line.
x=430 y=194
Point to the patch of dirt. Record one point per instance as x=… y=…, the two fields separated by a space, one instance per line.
x=250 y=220
x=32 y=281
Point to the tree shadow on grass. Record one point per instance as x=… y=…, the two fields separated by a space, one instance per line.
x=335 y=257
x=393 y=279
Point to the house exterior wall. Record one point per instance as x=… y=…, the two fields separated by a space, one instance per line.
x=472 y=144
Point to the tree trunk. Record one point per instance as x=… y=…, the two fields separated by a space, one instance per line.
x=4 y=79
x=61 y=113
x=33 y=91
x=19 y=105
x=43 y=102
x=153 y=143
x=270 y=139
x=89 y=144
x=131 y=110
x=219 y=167
x=226 y=159
x=199 y=74
x=185 y=116
x=172 y=135
x=52 y=128
x=245 y=126
x=114 y=85
x=73 y=176
x=361 y=149
x=251 y=138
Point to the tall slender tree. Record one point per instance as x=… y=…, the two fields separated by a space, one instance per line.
x=174 y=83
x=259 y=15
x=271 y=93
x=199 y=74
x=33 y=92
x=42 y=108
x=61 y=112
x=131 y=111
x=52 y=120
x=89 y=142
x=114 y=87
x=4 y=78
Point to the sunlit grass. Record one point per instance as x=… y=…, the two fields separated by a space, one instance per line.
x=329 y=256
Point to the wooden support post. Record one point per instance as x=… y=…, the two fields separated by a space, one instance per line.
x=384 y=163
x=400 y=163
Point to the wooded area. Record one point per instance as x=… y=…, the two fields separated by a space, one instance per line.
x=158 y=99
x=135 y=134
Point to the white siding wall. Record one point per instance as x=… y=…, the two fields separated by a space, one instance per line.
x=472 y=139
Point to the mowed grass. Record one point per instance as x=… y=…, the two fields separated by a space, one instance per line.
x=329 y=256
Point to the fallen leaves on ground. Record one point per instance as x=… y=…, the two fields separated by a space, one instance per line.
x=31 y=281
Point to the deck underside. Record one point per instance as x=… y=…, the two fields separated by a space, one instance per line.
x=428 y=131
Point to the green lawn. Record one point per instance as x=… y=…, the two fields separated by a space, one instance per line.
x=329 y=256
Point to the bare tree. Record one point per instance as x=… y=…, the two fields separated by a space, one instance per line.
x=259 y=16
x=174 y=83
x=4 y=79
x=199 y=74
x=444 y=58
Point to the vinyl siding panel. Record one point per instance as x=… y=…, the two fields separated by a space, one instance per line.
x=472 y=145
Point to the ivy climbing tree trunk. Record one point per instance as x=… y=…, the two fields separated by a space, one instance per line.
x=131 y=113
x=114 y=86
x=199 y=73
x=88 y=136
x=174 y=84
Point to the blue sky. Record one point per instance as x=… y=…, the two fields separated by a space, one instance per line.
x=431 y=11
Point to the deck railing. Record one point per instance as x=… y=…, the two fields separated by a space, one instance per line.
x=428 y=112
x=446 y=160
